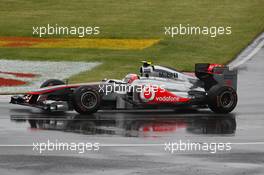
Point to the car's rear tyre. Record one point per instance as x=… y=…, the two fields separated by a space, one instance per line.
x=222 y=99
x=52 y=82
x=86 y=100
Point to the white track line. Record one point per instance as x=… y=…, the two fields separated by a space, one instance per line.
x=248 y=52
x=133 y=145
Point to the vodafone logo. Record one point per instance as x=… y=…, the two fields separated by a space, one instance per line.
x=147 y=94
x=159 y=95
x=168 y=99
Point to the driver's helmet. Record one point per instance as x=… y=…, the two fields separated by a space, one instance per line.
x=129 y=78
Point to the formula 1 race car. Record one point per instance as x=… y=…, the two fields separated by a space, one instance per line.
x=212 y=86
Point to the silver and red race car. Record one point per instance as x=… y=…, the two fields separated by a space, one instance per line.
x=157 y=87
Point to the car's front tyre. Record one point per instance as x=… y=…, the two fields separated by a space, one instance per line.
x=86 y=100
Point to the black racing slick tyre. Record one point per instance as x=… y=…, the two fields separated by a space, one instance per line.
x=52 y=82
x=222 y=99
x=86 y=100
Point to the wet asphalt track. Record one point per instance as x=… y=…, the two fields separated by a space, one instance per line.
x=131 y=142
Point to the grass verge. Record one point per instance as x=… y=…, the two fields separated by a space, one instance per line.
x=135 y=20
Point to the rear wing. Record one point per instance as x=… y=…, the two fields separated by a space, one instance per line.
x=212 y=74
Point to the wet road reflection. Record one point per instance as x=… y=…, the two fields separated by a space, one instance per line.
x=133 y=124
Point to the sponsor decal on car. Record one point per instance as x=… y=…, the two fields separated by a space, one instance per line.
x=160 y=95
x=148 y=94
